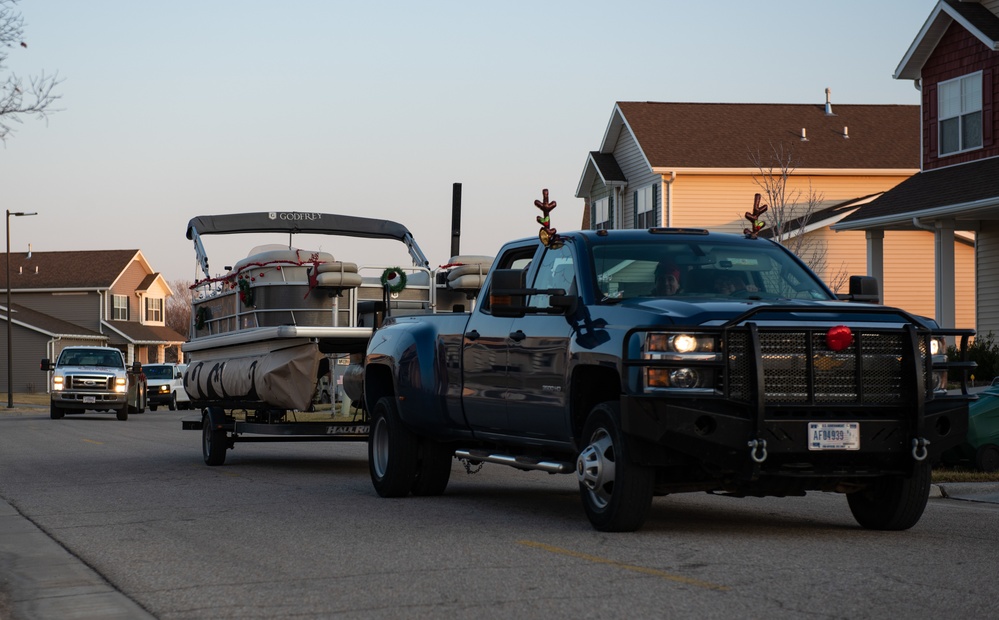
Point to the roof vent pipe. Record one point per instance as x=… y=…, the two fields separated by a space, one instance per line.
x=846 y=131
x=829 y=102
x=804 y=137
x=29 y=251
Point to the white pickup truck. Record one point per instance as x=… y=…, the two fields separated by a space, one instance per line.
x=97 y=379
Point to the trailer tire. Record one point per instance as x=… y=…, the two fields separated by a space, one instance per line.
x=213 y=442
x=617 y=494
x=434 y=468
x=892 y=503
x=392 y=451
x=56 y=412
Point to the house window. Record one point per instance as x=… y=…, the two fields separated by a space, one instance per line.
x=645 y=208
x=960 y=113
x=603 y=217
x=154 y=310
x=119 y=307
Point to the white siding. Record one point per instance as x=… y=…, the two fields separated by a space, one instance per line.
x=987 y=281
x=629 y=157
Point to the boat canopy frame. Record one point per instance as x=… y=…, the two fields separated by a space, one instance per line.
x=299 y=222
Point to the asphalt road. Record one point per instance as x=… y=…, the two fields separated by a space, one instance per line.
x=109 y=519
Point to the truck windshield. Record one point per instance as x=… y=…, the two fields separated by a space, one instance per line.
x=694 y=267
x=158 y=372
x=90 y=358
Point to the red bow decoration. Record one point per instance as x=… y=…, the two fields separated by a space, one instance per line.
x=754 y=218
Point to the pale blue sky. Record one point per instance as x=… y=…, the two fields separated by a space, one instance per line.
x=184 y=108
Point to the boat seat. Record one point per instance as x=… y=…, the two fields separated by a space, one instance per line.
x=281 y=258
x=338 y=275
x=470 y=272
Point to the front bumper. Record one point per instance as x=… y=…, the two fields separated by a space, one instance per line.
x=81 y=400
x=721 y=439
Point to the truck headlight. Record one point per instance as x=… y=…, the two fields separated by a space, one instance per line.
x=164 y=389
x=681 y=360
x=57 y=383
x=120 y=384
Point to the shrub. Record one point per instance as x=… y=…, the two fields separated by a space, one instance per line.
x=983 y=351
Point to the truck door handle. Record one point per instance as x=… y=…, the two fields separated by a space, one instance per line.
x=472 y=335
x=517 y=336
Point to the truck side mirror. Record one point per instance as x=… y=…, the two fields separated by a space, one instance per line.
x=136 y=367
x=46 y=364
x=863 y=288
x=507 y=293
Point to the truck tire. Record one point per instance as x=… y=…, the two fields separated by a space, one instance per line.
x=213 y=442
x=434 y=468
x=56 y=412
x=172 y=405
x=122 y=413
x=617 y=494
x=392 y=451
x=152 y=407
x=892 y=502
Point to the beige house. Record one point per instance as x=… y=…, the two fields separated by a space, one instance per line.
x=698 y=165
x=96 y=297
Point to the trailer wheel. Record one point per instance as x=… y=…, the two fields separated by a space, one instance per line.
x=213 y=441
x=617 y=494
x=392 y=451
x=892 y=502
x=434 y=468
x=122 y=413
x=56 y=412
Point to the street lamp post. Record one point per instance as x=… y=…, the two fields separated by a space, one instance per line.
x=10 y=348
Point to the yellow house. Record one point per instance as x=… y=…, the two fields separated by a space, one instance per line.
x=698 y=165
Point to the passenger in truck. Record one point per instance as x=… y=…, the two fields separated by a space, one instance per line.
x=667 y=280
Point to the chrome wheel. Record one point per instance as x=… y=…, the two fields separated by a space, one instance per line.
x=595 y=468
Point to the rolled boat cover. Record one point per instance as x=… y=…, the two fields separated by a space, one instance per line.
x=283 y=379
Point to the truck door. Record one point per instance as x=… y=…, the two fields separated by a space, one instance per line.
x=484 y=356
x=539 y=354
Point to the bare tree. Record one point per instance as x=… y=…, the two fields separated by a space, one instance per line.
x=790 y=211
x=20 y=97
x=178 y=307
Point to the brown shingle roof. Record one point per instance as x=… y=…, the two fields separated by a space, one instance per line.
x=46 y=323
x=75 y=269
x=970 y=183
x=726 y=135
x=146 y=334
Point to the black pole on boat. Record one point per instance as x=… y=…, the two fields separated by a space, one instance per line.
x=455 y=218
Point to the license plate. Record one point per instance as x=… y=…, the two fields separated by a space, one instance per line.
x=89 y=400
x=834 y=435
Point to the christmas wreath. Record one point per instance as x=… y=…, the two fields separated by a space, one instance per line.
x=245 y=292
x=394 y=278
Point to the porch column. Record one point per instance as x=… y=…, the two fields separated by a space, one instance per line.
x=943 y=253
x=876 y=259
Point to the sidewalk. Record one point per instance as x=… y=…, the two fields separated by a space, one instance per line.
x=41 y=580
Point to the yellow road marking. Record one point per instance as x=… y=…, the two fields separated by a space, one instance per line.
x=100 y=443
x=638 y=569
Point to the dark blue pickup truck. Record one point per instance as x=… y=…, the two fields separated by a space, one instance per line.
x=663 y=361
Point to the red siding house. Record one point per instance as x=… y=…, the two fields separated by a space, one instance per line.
x=954 y=62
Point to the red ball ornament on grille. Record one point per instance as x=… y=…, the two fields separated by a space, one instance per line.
x=839 y=337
